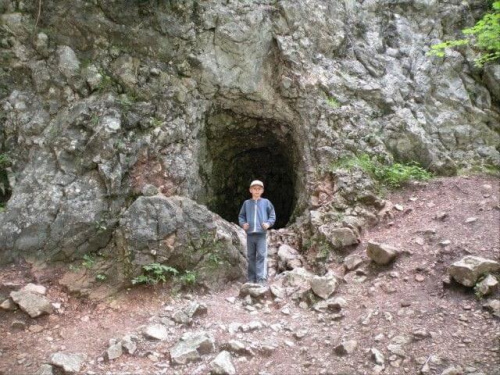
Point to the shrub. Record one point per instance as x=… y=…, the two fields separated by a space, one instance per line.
x=394 y=175
x=483 y=36
x=154 y=273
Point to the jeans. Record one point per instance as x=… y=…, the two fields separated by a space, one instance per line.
x=257 y=257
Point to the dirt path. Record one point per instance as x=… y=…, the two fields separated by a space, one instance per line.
x=404 y=310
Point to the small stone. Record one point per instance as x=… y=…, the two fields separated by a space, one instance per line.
x=381 y=253
x=8 y=305
x=419 y=278
x=70 y=362
x=445 y=243
x=398 y=207
x=222 y=364
x=441 y=216
x=35 y=328
x=487 y=286
x=156 y=332
x=346 y=347
x=377 y=356
x=470 y=220
x=285 y=311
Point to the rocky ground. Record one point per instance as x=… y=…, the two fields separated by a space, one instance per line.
x=407 y=317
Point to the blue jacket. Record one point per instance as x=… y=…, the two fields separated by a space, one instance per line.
x=256 y=213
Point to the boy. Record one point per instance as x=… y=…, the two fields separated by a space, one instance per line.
x=256 y=217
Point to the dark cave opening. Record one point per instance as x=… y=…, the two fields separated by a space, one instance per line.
x=240 y=149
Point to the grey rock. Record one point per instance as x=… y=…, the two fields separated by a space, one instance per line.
x=238 y=347
x=377 y=356
x=492 y=79
x=381 y=253
x=324 y=286
x=333 y=305
x=156 y=332
x=8 y=305
x=181 y=233
x=277 y=291
x=186 y=314
x=40 y=289
x=45 y=369
x=298 y=277
x=352 y=262
x=339 y=237
x=346 y=347
x=129 y=344
x=70 y=362
x=452 y=370
x=468 y=270
x=114 y=351
x=33 y=304
x=69 y=65
x=149 y=190
x=487 y=286
x=92 y=76
x=222 y=364
x=253 y=290
x=191 y=346
x=493 y=306
x=289 y=258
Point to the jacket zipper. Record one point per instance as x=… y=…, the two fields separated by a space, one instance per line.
x=255 y=218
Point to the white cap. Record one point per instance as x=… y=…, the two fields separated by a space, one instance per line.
x=257 y=182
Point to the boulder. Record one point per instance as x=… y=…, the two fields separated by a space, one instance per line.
x=183 y=235
x=33 y=304
x=468 y=270
x=191 y=346
x=324 y=286
x=381 y=253
x=222 y=364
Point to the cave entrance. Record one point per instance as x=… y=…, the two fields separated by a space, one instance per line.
x=5 y=190
x=241 y=149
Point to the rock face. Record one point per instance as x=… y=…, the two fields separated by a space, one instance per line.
x=211 y=93
x=468 y=270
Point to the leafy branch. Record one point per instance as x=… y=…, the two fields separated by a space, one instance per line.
x=483 y=36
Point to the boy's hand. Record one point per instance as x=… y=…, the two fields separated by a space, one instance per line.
x=265 y=225
x=246 y=226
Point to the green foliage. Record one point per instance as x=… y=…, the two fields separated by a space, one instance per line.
x=2 y=207
x=483 y=36
x=333 y=102
x=101 y=277
x=154 y=273
x=155 y=122
x=188 y=278
x=398 y=174
x=88 y=261
x=4 y=160
x=394 y=175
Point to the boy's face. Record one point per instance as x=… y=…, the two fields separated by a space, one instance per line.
x=256 y=191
